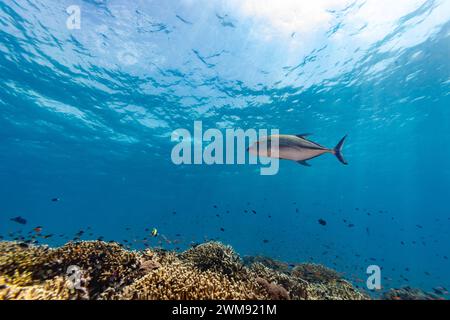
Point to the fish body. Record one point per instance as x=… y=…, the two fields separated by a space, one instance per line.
x=294 y=147
x=19 y=220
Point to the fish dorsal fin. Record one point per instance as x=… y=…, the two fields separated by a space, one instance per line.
x=304 y=163
x=303 y=135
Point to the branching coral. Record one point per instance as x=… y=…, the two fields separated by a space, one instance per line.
x=315 y=273
x=16 y=259
x=55 y=289
x=103 y=263
x=107 y=271
x=295 y=287
x=216 y=257
x=337 y=290
x=275 y=292
x=408 y=293
x=180 y=281
x=268 y=262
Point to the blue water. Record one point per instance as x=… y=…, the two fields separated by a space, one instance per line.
x=87 y=115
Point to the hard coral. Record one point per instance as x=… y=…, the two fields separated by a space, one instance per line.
x=275 y=292
x=296 y=288
x=268 y=262
x=100 y=270
x=16 y=259
x=408 y=293
x=315 y=273
x=104 y=263
x=54 y=289
x=182 y=282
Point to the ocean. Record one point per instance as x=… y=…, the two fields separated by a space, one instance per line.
x=91 y=92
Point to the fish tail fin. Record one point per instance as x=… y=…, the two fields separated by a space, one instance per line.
x=338 y=151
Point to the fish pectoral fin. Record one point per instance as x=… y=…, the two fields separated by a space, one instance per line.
x=304 y=163
x=302 y=135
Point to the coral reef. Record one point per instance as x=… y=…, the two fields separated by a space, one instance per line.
x=216 y=257
x=268 y=262
x=296 y=288
x=180 y=281
x=408 y=293
x=275 y=292
x=54 y=289
x=100 y=270
x=315 y=273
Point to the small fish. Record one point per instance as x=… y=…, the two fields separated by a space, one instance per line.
x=222 y=229
x=19 y=220
x=38 y=229
x=154 y=232
x=55 y=199
x=322 y=222
x=438 y=291
x=79 y=233
x=294 y=147
x=265 y=241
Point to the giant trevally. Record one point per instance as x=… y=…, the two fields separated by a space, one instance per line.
x=294 y=147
